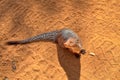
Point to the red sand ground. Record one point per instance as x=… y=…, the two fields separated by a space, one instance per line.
x=97 y=22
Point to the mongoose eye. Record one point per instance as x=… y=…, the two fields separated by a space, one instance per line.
x=77 y=40
x=71 y=41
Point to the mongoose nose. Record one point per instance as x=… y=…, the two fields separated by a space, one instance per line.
x=83 y=51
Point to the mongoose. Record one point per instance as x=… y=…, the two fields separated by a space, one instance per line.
x=65 y=38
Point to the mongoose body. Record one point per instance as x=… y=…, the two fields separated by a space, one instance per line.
x=65 y=38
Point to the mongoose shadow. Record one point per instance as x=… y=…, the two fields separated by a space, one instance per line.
x=70 y=63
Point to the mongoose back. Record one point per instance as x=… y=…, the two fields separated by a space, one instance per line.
x=65 y=38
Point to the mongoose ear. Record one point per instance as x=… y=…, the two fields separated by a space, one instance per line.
x=65 y=44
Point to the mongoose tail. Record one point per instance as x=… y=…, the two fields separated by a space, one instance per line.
x=49 y=36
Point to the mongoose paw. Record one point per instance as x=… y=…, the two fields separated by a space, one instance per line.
x=77 y=55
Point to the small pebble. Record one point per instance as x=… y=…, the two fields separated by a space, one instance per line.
x=92 y=54
x=13 y=66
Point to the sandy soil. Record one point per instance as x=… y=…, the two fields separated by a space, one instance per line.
x=97 y=22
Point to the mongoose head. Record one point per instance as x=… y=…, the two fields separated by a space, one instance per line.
x=74 y=46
